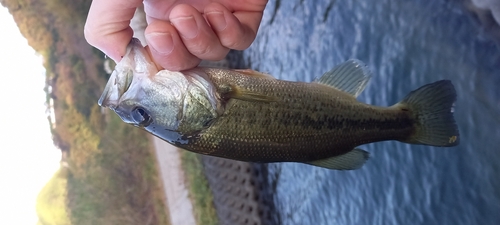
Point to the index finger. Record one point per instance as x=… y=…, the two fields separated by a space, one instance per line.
x=107 y=27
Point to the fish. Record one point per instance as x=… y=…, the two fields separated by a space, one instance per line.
x=251 y=116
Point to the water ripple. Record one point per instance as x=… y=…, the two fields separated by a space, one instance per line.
x=406 y=44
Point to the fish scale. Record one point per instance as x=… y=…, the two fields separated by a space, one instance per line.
x=293 y=124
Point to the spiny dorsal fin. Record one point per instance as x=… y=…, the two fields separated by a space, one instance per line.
x=349 y=161
x=254 y=73
x=351 y=77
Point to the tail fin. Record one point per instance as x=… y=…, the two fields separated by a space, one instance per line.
x=432 y=106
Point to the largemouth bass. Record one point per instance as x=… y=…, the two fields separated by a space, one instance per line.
x=250 y=116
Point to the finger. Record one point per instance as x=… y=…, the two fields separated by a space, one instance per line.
x=199 y=39
x=107 y=26
x=235 y=30
x=167 y=48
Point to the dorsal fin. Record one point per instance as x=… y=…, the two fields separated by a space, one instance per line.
x=250 y=72
x=234 y=91
x=351 y=77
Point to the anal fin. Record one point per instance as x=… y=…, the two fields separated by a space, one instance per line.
x=349 y=161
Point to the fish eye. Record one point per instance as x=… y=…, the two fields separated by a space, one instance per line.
x=141 y=117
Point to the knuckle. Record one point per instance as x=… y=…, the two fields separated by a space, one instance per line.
x=231 y=43
x=237 y=39
x=208 y=51
x=201 y=49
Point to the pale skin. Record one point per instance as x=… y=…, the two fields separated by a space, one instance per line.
x=179 y=33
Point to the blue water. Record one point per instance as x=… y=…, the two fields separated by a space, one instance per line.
x=406 y=44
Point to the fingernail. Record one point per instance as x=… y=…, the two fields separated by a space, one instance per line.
x=217 y=20
x=186 y=26
x=161 y=42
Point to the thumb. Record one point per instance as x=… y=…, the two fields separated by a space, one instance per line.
x=107 y=26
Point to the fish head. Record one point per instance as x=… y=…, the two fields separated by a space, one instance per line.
x=160 y=102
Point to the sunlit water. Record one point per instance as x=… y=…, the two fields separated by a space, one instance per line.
x=406 y=44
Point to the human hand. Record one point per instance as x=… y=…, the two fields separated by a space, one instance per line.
x=179 y=35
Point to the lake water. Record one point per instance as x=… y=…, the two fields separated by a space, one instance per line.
x=406 y=44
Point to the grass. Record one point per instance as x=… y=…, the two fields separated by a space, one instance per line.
x=51 y=201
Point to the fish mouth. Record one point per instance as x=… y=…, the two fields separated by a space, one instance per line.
x=104 y=100
x=113 y=91
x=135 y=57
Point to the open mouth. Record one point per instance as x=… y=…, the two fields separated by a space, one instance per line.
x=108 y=98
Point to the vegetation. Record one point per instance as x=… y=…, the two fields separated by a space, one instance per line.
x=51 y=202
x=119 y=184
x=112 y=177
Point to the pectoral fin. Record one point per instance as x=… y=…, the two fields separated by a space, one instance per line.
x=349 y=161
x=233 y=91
